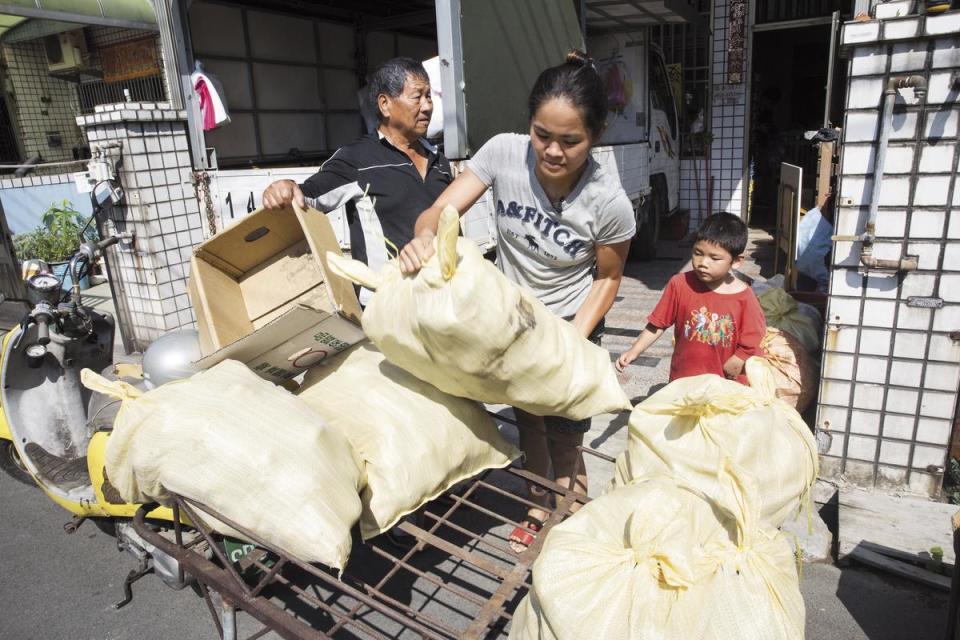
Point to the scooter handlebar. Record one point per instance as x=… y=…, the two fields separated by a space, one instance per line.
x=43 y=330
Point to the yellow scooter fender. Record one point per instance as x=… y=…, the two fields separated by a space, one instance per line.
x=4 y=427
x=109 y=502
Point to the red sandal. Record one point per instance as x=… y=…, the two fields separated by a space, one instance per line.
x=525 y=532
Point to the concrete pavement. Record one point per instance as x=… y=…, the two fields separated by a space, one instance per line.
x=57 y=586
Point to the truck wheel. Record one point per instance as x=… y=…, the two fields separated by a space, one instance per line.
x=644 y=246
x=11 y=463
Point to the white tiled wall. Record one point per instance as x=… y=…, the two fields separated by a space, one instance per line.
x=728 y=126
x=892 y=427
x=161 y=206
x=729 y=122
x=45 y=106
x=693 y=188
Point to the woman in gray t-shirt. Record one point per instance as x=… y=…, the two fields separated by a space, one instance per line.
x=564 y=226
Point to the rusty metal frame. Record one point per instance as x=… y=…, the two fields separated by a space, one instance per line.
x=485 y=615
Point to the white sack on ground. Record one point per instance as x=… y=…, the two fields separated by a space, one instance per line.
x=460 y=325
x=657 y=560
x=690 y=426
x=244 y=447
x=414 y=440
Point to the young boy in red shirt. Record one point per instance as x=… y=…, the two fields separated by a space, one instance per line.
x=716 y=318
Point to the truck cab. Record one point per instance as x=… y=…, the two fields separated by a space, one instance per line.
x=642 y=140
x=488 y=53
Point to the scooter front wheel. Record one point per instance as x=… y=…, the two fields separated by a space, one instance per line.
x=11 y=463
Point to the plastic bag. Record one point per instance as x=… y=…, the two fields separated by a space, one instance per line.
x=243 y=447
x=814 y=244
x=414 y=440
x=796 y=371
x=692 y=425
x=658 y=560
x=460 y=325
x=781 y=312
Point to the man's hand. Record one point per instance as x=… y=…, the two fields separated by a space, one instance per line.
x=417 y=252
x=281 y=193
x=733 y=367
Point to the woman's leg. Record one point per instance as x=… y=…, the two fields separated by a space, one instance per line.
x=533 y=443
x=567 y=461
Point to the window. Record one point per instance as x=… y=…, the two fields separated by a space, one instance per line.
x=786 y=10
x=686 y=52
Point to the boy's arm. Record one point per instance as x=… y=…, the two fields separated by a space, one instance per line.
x=753 y=327
x=650 y=334
x=663 y=315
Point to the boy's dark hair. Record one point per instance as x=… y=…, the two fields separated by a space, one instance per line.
x=725 y=230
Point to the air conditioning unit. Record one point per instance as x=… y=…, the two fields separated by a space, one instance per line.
x=65 y=51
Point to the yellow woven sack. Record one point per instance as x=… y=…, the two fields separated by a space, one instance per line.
x=414 y=440
x=795 y=370
x=690 y=426
x=244 y=447
x=754 y=591
x=782 y=312
x=615 y=569
x=657 y=560
x=460 y=325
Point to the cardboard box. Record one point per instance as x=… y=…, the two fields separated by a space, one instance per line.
x=263 y=295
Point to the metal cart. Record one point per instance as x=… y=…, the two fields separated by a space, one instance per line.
x=459 y=580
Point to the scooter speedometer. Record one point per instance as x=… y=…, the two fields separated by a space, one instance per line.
x=35 y=354
x=43 y=287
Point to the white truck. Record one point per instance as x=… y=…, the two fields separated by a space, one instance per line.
x=490 y=54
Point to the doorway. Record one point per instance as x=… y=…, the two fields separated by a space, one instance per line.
x=788 y=95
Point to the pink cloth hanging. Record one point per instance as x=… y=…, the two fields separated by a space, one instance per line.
x=206 y=104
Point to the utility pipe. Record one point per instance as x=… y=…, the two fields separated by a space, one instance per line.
x=894 y=83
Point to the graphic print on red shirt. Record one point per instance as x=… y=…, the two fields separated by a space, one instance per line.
x=709 y=327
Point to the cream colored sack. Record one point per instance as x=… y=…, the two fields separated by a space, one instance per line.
x=460 y=325
x=657 y=560
x=782 y=312
x=414 y=440
x=796 y=371
x=690 y=426
x=242 y=446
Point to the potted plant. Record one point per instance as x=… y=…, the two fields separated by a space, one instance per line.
x=56 y=240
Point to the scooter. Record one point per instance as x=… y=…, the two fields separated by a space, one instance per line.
x=53 y=430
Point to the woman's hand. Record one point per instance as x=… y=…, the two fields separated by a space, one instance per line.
x=281 y=193
x=417 y=252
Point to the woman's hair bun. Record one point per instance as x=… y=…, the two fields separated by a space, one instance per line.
x=577 y=57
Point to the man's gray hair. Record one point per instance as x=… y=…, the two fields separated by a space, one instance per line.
x=390 y=77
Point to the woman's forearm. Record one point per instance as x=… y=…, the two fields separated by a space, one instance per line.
x=428 y=220
x=461 y=194
x=602 y=294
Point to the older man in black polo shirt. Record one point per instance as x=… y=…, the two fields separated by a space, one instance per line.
x=395 y=166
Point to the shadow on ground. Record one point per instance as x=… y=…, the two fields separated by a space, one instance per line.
x=890 y=608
